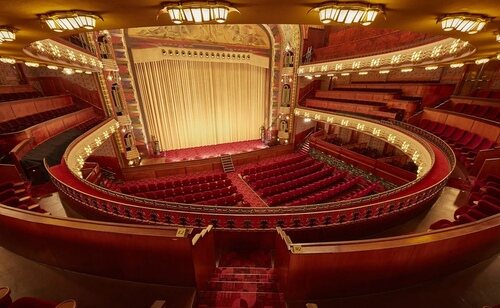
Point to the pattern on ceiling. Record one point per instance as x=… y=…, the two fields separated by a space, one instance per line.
x=227 y=34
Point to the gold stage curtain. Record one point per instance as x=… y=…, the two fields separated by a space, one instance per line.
x=194 y=103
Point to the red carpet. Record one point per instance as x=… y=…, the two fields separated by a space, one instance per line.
x=213 y=150
x=246 y=258
x=249 y=196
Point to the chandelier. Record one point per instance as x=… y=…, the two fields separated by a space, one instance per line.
x=464 y=22
x=349 y=12
x=7 y=34
x=197 y=11
x=71 y=20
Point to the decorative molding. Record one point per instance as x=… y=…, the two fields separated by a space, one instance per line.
x=60 y=54
x=202 y=55
x=437 y=52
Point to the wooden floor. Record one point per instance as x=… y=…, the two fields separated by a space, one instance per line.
x=476 y=286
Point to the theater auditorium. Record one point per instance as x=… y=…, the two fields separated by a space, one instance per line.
x=250 y=153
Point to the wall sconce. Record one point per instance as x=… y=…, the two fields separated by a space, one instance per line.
x=71 y=20
x=348 y=12
x=8 y=60
x=197 y=11
x=32 y=64
x=463 y=22
x=482 y=61
x=456 y=65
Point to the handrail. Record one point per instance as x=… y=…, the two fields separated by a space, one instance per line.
x=201 y=234
x=140 y=206
x=438 y=235
x=244 y=210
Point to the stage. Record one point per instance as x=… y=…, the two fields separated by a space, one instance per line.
x=204 y=152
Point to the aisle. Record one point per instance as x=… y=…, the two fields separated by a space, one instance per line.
x=248 y=194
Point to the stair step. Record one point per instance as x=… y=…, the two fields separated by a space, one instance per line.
x=243 y=286
x=245 y=277
x=222 y=299
x=245 y=270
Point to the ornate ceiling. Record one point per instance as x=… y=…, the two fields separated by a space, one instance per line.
x=409 y=15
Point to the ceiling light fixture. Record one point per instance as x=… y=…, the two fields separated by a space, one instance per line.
x=384 y=72
x=197 y=11
x=363 y=73
x=482 y=61
x=498 y=37
x=344 y=74
x=406 y=70
x=431 y=67
x=456 y=65
x=70 y=20
x=348 y=12
x=52 y=67
x=463 y=22
x=7 y=34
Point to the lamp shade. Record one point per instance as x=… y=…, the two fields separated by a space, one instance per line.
x=198 y=11
x=7 y=34
x=72 y=20
x=348 y=12
x=463 y=22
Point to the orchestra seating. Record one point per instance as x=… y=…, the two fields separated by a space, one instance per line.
x=481 y=108
x=17 y=194
x=464 y=143
x=21 y=123
x=214 y=189
x=301 y=180
x=483 y=203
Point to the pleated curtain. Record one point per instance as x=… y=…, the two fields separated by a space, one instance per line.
x=193 y=103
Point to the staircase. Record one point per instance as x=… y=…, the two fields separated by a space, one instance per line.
x=227 y=163
x=242 y=287
x=305 y=147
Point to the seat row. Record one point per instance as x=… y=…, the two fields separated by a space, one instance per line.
x=327 y=194
x=465 y=144
x=5 y=97
x=31 y=302
x=480 y=111
x=162 y=184
x=17 y=195
x=21 y=123
x=359 y=193
x=278 y=171
x=305 y=180
x=488 y=204
x=300 y=191
x=280 y=178
x=273 y=165
x=189 y=197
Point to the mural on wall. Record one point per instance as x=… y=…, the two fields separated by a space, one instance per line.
x=247 y=35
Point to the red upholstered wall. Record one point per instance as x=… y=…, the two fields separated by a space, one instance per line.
x=357 y=41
